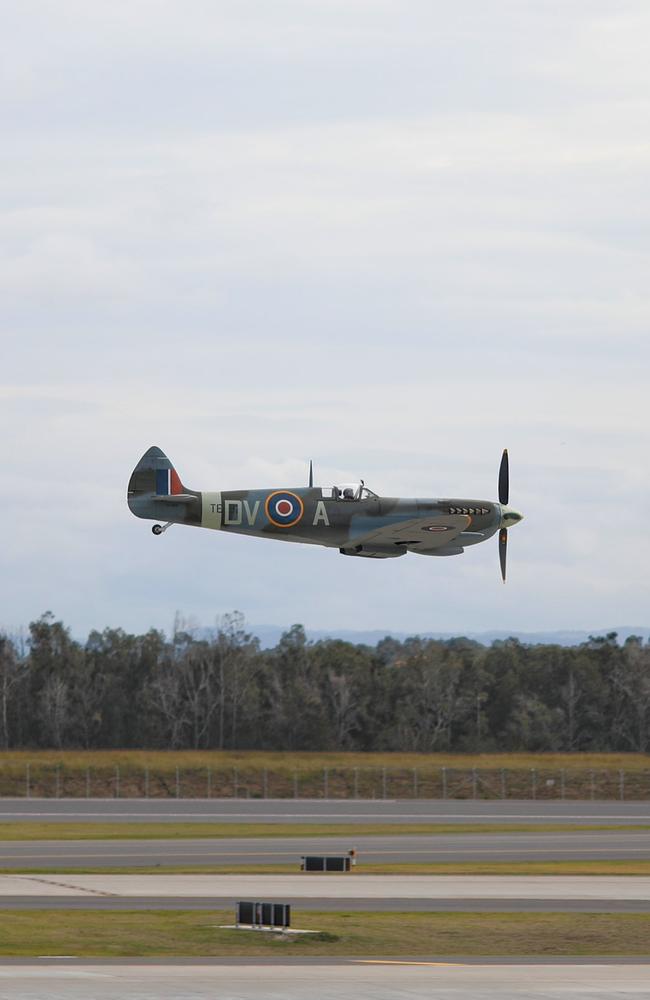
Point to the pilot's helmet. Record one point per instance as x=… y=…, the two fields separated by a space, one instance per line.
x=348 y=493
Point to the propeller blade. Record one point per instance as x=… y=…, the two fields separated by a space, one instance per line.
x=504 y=478
x=311 y=473
x=503 y=551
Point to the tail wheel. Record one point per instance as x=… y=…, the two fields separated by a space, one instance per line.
x=157 y=529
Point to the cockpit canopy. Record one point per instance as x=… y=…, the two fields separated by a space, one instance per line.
x=348 y=492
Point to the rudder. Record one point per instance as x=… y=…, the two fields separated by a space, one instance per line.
x=155 y=489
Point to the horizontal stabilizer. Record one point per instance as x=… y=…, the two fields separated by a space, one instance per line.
x=176 y=497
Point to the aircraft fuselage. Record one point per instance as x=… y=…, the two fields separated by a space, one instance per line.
x=357 y=522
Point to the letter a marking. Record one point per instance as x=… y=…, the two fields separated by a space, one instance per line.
x=320 y=515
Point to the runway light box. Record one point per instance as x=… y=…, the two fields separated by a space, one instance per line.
x=263 y=914
x=325 y=863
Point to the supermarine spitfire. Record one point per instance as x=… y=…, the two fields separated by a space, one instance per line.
x=349 y=517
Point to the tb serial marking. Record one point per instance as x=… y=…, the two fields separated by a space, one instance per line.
x=349 y=517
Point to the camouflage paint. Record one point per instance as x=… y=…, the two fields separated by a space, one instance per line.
x=374 y=527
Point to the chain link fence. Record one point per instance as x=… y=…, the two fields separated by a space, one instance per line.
x=57 y=781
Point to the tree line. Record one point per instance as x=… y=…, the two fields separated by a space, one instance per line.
x=220 y=690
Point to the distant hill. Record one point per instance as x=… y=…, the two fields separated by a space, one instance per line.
x=270 y=634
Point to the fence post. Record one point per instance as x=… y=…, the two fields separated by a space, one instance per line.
x=58 y=780
x=178 y=782
x=28 y=790
x=356 y=782
x=533 y=781
x=235 y=781
x=265 y=782
x=562 y=783
x=473 y=782
x=621 y=785
x=295 y=784
x=383 y=782
x=415 y=782
x=444 y=782
x=209 y=782
x=117 y=781
x=503 y=783
x=87 y=782
x=325 y=783
x=592 y=786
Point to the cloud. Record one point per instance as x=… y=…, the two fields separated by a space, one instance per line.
x=255 y=234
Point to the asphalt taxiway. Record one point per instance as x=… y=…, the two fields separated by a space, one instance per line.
x=557 y=846
x=324 y=811
x=330 y=905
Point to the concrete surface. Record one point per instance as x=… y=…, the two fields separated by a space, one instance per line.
x=339 y=887
x=364 y=980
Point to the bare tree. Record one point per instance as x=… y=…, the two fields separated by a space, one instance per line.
x=571 y=694
x=12 y=671
x=165 y=695
x=54 y=710
x=343 y=705
x=197 y=679
x=632 y=680
x=236 y=665
x=436 y=701
x=88 y=696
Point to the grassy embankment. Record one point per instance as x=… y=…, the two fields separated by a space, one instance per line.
x=196 y=934
x=312 y=775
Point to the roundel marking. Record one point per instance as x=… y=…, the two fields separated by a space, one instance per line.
x=284 y=509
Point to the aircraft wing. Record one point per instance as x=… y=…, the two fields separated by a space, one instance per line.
x=431 y=531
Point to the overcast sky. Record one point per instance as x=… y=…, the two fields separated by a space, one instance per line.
x=390 y=236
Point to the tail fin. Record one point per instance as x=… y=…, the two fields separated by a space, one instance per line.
x=155 y=487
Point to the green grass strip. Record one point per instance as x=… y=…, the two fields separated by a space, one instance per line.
x=32 y=830
x=154 y=933
x=587 y=868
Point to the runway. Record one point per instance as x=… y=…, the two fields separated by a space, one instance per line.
x=341 y=887
x=590 y=845
x=372 y=979
x=324 y=811
x=331 y=892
